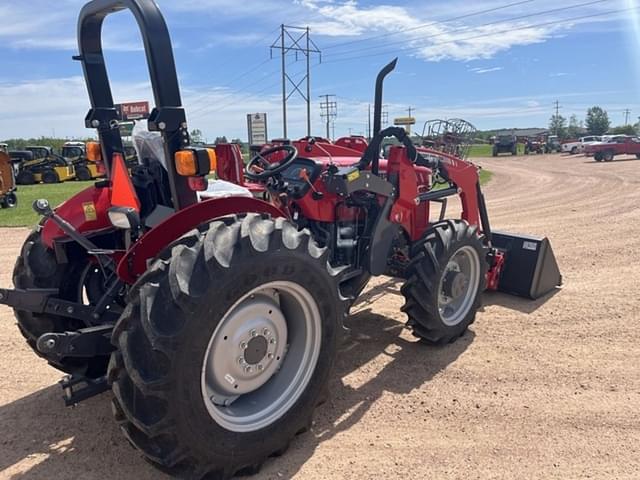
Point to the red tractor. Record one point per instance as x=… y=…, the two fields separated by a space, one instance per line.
x=216 y=323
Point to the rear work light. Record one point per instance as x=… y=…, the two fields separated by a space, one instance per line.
x=195 y=162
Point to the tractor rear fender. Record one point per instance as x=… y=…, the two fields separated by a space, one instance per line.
x=86 y=212
x=134 y=263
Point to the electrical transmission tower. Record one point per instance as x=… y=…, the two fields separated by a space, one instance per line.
x=328 y=110
x=557 y=118
x=627 y=112
x=385 y=115
x=290 y=40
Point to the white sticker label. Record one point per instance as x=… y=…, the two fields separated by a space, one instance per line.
x=533 y=246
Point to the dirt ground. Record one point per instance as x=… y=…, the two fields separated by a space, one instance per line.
x=545 y=389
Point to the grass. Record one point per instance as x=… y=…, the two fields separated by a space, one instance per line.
x=487 y=151
x=485 y=176
x=24 y=216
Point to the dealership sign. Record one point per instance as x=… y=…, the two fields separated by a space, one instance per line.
x=257 y=124
x=132 y=111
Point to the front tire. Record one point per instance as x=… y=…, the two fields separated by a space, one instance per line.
x=446 y=279
x=608 y=156
x=197 y=386
x=83 y=174
x=25 y=177
x=10 y=200
x=50 y=176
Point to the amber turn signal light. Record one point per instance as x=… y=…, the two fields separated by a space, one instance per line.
x=94 y=152
x=194 y=162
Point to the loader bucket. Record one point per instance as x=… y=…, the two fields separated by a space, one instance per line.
x=530 y=268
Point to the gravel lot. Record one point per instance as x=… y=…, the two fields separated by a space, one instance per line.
x=545 y=389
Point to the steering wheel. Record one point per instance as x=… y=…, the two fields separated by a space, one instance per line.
x=260 y=169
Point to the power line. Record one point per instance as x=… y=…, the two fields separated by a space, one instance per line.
x=203 y=96
x=209 y=108
x=484 y=35
x=286 y=43
x=425 y=25
x=328 y=110
x=475 y=27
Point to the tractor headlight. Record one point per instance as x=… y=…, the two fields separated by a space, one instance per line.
x=125 y=218
x=195 y=162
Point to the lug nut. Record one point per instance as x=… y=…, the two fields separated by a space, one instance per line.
x=241 y=361
x=260 y=367
x=272 y=341
x=248 y=369
x=266 y=332
x=253 y=333
x=243 y=345
x=270 y=356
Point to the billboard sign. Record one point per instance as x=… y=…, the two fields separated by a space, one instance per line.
x=257 y=124
x=404 y=121
x=133 y=111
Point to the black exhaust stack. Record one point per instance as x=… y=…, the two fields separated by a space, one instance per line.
x=530 y=268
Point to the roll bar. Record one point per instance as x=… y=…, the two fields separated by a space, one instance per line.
x=167 y=117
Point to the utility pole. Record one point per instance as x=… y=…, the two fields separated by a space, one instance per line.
x=369 y=123
x=328 y=110
x=385 y=115
x=627 y=112
x=557 y=122
x=290 y=40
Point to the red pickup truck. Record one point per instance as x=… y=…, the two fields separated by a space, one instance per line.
x=618 y=145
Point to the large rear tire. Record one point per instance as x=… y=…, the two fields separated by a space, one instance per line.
x=446 y=279
x=203 y=382
x=37 y=267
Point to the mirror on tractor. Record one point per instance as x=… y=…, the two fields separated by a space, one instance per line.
x=125 y=218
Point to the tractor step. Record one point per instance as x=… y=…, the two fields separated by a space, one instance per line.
x=530 y=268
x=78 y=388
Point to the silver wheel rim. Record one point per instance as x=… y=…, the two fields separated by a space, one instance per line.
x=459 y=285
x=261 y=356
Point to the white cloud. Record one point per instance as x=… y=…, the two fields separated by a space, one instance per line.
x=480 y=70
x=430 y=38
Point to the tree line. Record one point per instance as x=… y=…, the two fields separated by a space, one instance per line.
x=596 y=122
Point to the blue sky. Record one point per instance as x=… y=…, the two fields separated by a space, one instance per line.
x=499 y=69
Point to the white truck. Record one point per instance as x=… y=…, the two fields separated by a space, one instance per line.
x=578 y=146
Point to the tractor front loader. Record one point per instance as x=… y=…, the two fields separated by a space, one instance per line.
x=216 y=323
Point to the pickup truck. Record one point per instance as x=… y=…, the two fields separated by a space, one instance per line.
x=578 y=146
x=618 y=145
